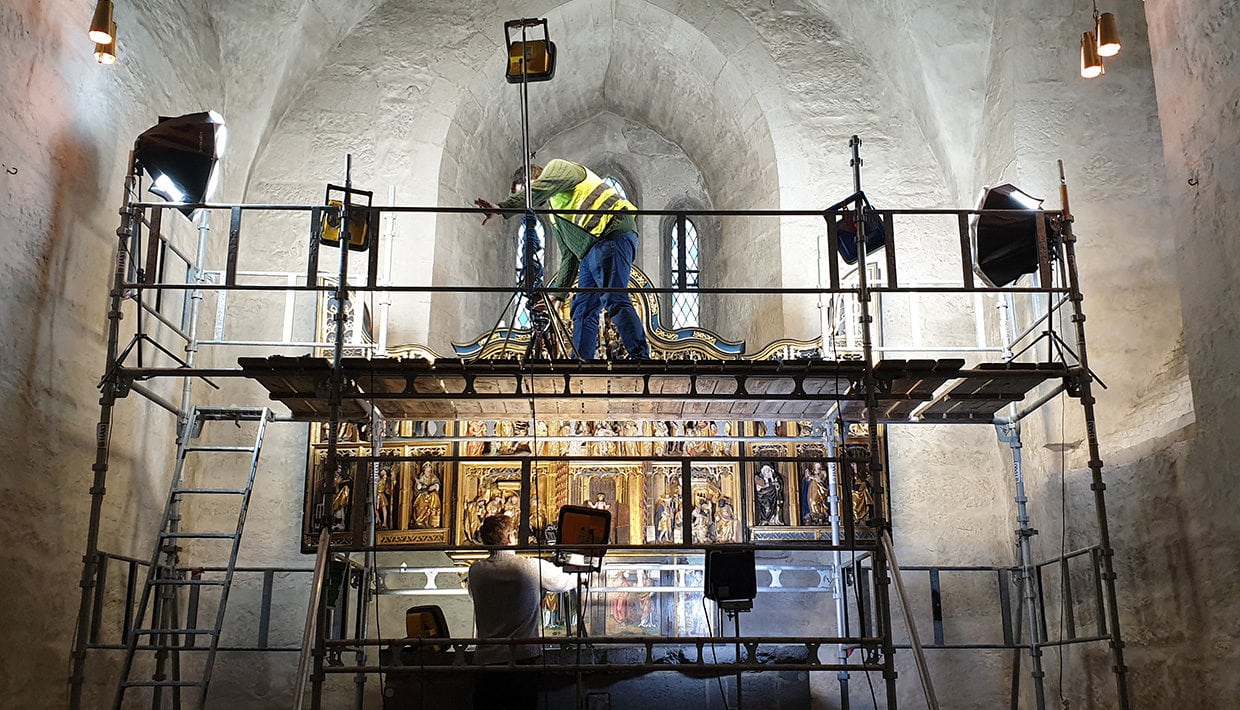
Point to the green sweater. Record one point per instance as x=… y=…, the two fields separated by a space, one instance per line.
x=573 y=241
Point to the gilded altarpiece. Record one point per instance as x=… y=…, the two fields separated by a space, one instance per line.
x=422 y=501
x=412 y=499
x=789 y=500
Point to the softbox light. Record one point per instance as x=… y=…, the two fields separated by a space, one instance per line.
x=846 y=227
x=181 y=155
x=1005 y=244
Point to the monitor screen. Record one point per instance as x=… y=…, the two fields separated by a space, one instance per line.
x=580 y=525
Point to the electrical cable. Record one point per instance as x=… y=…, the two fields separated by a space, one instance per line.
x=722 y=695
x=868 y=680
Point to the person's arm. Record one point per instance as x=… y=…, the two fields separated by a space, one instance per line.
x=569 y=264
x=558 y=176
x=555 y=579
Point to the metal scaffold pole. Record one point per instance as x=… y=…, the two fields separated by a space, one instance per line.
x=110 y=390
x=837 y=559
x=882 y=580
x=1085 y=393
x=335 y=397
x=1010 y=435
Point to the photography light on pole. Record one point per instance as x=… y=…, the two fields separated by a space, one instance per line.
x=531 y=59
x=585 y=526
x=182 y=157
x=846 y=227
x=1005 y=242
x=731 y=579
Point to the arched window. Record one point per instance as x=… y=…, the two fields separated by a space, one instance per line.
x=683 y=256
x=521 y=319
x=617 y=185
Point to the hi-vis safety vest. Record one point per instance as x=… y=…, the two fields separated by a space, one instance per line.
x=590 y=194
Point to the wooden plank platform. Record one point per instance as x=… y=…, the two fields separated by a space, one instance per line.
x=650 y=389
x=980 y=393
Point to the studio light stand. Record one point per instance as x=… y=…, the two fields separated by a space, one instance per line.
x=532 y=60
x=731 y=582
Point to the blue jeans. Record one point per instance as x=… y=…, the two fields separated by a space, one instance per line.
x=608 y=265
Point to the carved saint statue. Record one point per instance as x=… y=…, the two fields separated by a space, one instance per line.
x=475 y=429
x=475 y=511
x=340 y=501
x=427 y=503
x=667 y=516
x=383 y=499
x=703 y=517
x=769 y=496
x=814 y=491
x=725 y=525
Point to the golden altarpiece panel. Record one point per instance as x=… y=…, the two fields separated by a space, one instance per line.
x=423 y=498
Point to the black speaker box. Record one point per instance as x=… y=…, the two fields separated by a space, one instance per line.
x=730 y=576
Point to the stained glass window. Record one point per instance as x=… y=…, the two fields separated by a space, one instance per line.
x=684 y=258
x=617 y=185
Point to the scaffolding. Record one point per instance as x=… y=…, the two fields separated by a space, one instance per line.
x=849 y=378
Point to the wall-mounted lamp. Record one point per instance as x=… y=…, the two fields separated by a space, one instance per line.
x=102 y=28
x=105 y=52
x=1102 y=42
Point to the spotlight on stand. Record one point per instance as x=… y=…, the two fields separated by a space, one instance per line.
x=731 y=579
x=846 y=227
x=360 y=217
x=529 y=59
x=581 y=525
x=1005 y=244
x=182 y=157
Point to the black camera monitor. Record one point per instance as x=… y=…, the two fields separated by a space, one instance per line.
x=582 y=525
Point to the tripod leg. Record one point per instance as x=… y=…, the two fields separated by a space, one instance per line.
x=512 y=304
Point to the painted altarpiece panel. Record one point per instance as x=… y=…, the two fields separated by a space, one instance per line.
x=643 y=596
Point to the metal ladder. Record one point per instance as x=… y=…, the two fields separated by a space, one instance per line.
x=165 y=636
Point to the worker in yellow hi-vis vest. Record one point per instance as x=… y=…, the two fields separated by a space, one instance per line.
x=596 y=248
